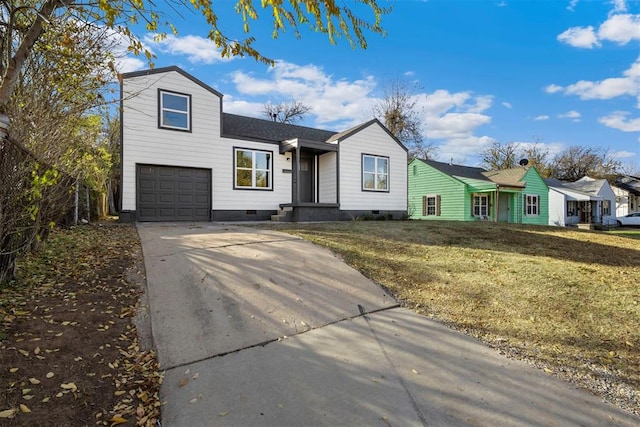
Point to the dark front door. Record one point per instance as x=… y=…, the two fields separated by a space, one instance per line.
x=306 y=179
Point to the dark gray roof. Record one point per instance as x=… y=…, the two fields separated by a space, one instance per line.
x=553 y=182
x=458 y=170
x=242 y=127
x=629 y=183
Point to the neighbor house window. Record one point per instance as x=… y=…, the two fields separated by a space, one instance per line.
x=252 y=169
x=480 y=205
x=606 y=207
x=430 y=205
x=531 y=204
x=375 y=173
x=175 y=110
x=572 y=208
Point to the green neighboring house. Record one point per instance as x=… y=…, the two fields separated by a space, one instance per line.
x=444 y=191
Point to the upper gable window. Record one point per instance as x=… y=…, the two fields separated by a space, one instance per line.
x=175 y=110
x=375 y=173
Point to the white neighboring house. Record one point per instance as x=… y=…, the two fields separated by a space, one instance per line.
x=627 y=191
x=585 y=201
x=184 y=159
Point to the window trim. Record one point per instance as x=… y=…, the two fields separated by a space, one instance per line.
x=436 y=205
x=473 y=205
x=253 y=169
x=607 y=211
x=375 y=173
x=535 y=204
x=161 y=124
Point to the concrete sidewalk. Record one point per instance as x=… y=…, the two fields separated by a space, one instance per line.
x=259 y=328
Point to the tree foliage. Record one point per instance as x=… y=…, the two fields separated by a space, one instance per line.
x=286 y=112
x=571 y=164
x=578 y=161
x=508 y=155
x=25 y=21
x=398 y=110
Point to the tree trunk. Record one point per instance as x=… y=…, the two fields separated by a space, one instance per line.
x=15 y=63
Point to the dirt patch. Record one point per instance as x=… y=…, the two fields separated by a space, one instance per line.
x=69 y=348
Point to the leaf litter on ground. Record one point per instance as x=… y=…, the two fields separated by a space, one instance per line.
x=78 y=282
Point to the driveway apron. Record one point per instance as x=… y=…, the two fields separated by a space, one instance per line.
x=259 y=328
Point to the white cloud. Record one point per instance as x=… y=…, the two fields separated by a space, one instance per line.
x=620 y=120
x=197 y=49
x=619 y=6
x=553 y=88
x=339 y=102
x=627 y=85
x=620 y=29
x=622 y=154
x=573 y=114
x=572 y=5
x=450 y=119
x=541 y=117
x=463 y=151
x=507 y=105
x=128 y=64
x=584 y=37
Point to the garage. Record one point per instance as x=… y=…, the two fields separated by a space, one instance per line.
x=167 y=193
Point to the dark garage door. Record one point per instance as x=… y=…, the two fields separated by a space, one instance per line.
x=166 y=193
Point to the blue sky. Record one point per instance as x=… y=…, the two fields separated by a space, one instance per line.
x=560 y=72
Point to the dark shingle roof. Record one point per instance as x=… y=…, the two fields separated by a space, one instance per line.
x=629 y=183
x=457 y=170
x=266 y=130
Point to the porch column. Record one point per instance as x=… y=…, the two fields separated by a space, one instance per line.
x=296 y=193
x=497 y=204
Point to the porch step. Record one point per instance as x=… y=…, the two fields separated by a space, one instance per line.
x=283 y=215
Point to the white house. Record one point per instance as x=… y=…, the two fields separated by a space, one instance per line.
x=184 y=159
x=627 y=191
x=585 y=201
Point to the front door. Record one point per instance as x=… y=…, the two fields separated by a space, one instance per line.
x=306 y=179
x=504 y=201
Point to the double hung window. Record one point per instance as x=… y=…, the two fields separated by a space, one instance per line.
x=480 y=205
x=175 y=110
x=253 y=169
x=531 y=204
x=375 y=173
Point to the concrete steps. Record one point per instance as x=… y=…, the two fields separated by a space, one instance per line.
x=283 y=215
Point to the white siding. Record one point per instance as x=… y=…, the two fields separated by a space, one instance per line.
x=606 y=192
x=622 y=201
x=375 y=141
x=327 y=180
x=144 y=142
x=557 y=208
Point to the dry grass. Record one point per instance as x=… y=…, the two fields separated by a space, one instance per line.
x=565 y=298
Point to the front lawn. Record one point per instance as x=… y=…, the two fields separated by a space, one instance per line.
x=565 y=300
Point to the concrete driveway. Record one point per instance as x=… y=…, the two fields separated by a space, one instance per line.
x=259 y=328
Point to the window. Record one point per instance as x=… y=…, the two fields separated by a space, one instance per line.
x=572 y=208
x=175 y=110
x=606 y=207
x=252 y=169
x=375 y=173
x=531 y=204
x=430 y=205
x=480 y=205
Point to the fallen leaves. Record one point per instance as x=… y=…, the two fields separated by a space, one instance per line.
x=59 y=303
x=8 y=413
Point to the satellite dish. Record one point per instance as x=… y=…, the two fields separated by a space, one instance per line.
x=524 y=162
